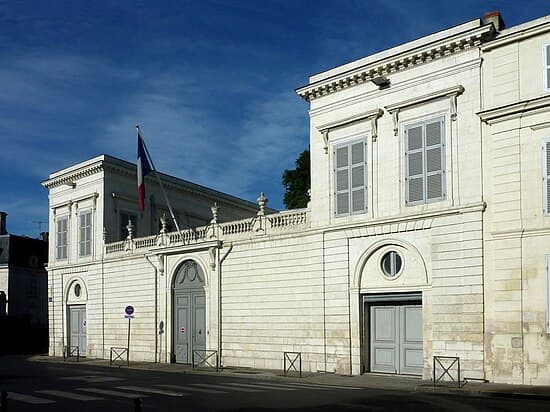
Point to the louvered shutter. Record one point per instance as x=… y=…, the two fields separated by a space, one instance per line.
x=358 y=192
x=58 y=239
x=546 y=175
x=64 y=240
x=341 y=173
x=88 y=248
x=61 y=238
x=434 y=159
x=415 y=164
x=82 y=226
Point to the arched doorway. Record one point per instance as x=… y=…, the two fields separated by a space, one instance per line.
x=77 y=297
x=393 y=282
x=189 y=312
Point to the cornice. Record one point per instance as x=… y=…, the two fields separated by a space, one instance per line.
x=93 y=195
x=514 y=110
x=121 y=167
x=397 y=88
x=440 y=94
x=371 y=115
x=517 y=36
x=451 y=93
x=420 y=55
x=70 y=178
x=180 y=185
x=351 y=119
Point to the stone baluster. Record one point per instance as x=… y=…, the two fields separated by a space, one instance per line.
x=129 y=245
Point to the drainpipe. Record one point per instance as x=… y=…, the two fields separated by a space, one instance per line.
x=156 y=306
x=220 y=301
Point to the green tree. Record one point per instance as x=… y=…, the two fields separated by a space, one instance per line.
x=297 y=182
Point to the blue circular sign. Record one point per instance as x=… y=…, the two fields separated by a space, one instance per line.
x=129 y=310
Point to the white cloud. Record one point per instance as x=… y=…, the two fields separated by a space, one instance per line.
x=240 y=156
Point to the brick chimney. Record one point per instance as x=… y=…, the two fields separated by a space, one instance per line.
x=3 y=230
x=495 y=18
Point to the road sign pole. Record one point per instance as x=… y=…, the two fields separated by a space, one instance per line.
x=129 y=313
x=129 y=320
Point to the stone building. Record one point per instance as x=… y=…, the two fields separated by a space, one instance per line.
x=23 y=291
x=424 y=235
x=516 y=157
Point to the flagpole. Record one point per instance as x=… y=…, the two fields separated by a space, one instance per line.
x=160 y=182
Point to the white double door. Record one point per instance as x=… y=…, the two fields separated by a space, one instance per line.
x=189 y=324
x=396 y=339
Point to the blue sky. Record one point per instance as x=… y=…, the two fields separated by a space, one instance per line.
x=211 y=83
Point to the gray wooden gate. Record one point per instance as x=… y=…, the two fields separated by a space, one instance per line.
x=189 y=332
x=396 y=339
x=77 y=327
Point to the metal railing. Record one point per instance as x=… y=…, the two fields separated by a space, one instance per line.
x=291 y=358
x=119 y=355
x=205 y=359
x=71 y=352
x=444 y=367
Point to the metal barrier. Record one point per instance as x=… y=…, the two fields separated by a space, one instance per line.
x=119 y=353
x=291 y=358
x=447 y=364
x=71 y=352
x=205 y=358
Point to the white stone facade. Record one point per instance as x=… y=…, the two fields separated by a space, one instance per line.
x=516 y=129
x=426 y=206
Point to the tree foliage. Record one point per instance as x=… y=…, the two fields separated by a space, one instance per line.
x=297 y=182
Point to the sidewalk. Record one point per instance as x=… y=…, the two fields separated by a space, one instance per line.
x=368 y=380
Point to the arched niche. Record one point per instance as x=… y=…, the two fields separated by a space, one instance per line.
x=372 y=270
x=189 y=275
x=76 y=292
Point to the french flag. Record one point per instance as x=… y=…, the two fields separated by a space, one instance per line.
x=143 y=169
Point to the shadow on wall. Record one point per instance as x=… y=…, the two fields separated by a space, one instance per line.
x=17 y=335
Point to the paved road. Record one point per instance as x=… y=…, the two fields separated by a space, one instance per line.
x=39 y=386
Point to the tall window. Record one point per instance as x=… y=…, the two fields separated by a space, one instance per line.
x=85 y=232
x=125 y=217
x=425 y=161
x=350 y=178
x=61 y=230
x=546 y=67
x=546 y=175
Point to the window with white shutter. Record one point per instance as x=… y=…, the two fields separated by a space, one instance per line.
x=425 y=161
x=350 y=178
x=85 y=233
x=546 y=67
x=61 y=230
x=546 y=175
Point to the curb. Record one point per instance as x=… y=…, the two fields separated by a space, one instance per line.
x=422 y=388
x=518 y=395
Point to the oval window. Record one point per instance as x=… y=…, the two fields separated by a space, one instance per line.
x=77 y=290
x=391 y=264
